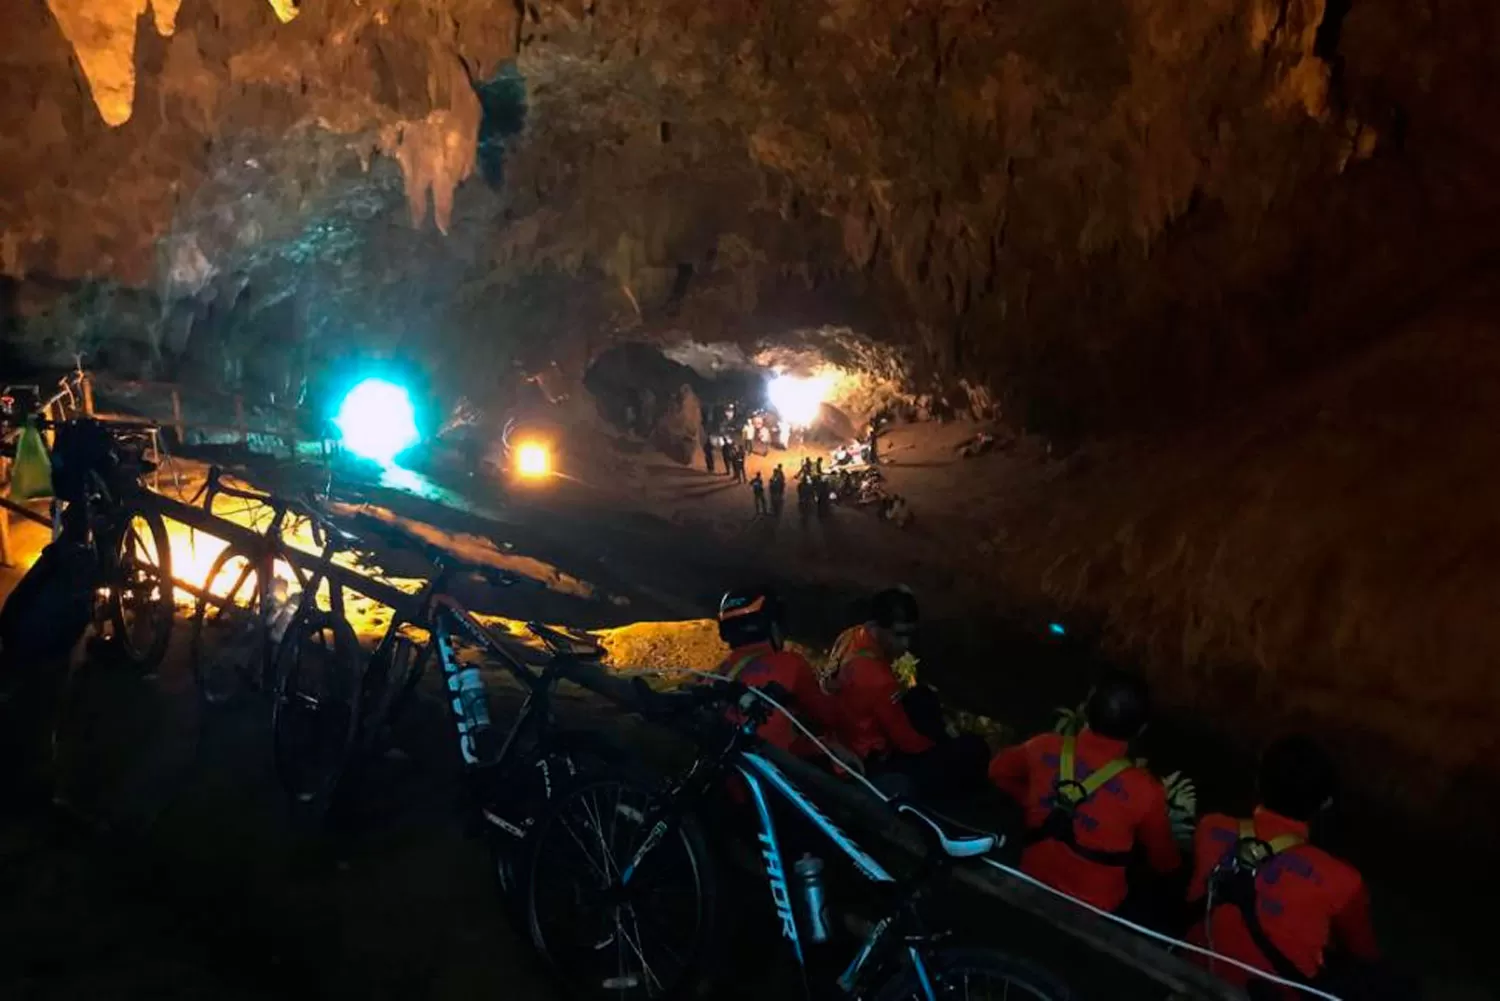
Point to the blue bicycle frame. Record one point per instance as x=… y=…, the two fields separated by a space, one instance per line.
x=758 y=773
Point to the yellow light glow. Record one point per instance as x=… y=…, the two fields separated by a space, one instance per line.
x=798 y=399
x=193 y=555
x=533 y=460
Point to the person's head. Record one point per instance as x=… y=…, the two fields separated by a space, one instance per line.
x=750 y=615
x=1118 y=707
x=894 y=616
x=1297 y=778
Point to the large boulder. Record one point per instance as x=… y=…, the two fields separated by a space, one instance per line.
x=678 y=427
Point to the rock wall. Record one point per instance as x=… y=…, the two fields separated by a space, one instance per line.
x=1325 y=560
x=1106 y=212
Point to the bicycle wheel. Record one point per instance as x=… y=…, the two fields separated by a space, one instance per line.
x=981 y=974
x=518 y=797
x=654 y=938
x=225 y=636
x=141 y=605
x=314 y=712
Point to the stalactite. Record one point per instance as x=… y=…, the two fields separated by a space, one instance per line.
x=437 y=153
x=102 y=34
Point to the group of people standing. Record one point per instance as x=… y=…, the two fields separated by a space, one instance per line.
x=813 y=491
x=723 y=447
x=1255 y=888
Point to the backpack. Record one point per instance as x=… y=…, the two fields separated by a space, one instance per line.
x=1068 y=794
x=82 y=449
x=1233 y=883
x=51 y=607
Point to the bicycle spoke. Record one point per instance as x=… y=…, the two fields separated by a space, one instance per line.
x=636 y=948
x=612 y=871
x=584 y=850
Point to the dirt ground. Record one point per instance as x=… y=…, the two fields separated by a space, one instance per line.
x=177 y=871
x=200 y=853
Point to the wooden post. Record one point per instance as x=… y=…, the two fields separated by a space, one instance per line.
x=239 y=420
x=87 y=383
x=5 y=538
x=177 y=418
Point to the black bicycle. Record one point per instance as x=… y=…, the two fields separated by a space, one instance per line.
x=110 y=560
x=623 y=893
x=507 y=781
x=247 y=594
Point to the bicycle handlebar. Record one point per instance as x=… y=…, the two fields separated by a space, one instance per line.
x=321 y=522
x=722 y=694
x=216 y=486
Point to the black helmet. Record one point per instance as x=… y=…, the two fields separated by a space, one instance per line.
x=1119 y=706
x=750 y=615
x=895 y=608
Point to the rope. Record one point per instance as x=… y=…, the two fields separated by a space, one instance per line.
x=1167 y=940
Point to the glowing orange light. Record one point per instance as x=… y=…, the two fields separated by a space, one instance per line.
x=533 y=461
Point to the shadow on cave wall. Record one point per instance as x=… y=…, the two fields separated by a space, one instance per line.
x=502 y=100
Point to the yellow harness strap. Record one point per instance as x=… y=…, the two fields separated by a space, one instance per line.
x=733 y=673
x=1277 y=844
x=1067 y=767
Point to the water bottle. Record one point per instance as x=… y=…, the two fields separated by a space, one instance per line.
x=474 y=710
x=809 y=870
x=281 y=609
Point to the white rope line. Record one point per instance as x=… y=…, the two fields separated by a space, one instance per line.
x=1168 y=940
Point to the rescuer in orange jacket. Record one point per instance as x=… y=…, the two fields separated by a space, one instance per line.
x=750 y=621
x=1278 y=902
x=890 y=728
x=1087 y=805
x=866 y=685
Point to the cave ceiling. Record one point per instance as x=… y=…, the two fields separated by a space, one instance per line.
x=1079 y=202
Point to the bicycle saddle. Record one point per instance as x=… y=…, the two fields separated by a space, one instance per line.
x=965 y=846
x=566 y=644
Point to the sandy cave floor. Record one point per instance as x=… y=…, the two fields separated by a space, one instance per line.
x=646 y=539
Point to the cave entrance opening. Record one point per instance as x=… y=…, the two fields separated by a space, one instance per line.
x=676 y=399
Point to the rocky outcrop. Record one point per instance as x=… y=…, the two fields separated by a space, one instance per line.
x=677 y=428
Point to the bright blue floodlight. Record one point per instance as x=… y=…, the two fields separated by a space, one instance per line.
x=1057 y=629
x=377 y=421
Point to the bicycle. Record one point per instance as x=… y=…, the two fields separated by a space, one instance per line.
x=237 y=618
x=110 y=552
x=589 y=926
x=504 y=782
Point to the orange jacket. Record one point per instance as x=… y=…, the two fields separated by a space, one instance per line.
x=1305 y=899
x=1129 y=809
x=760 y=664
x=870 y=697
